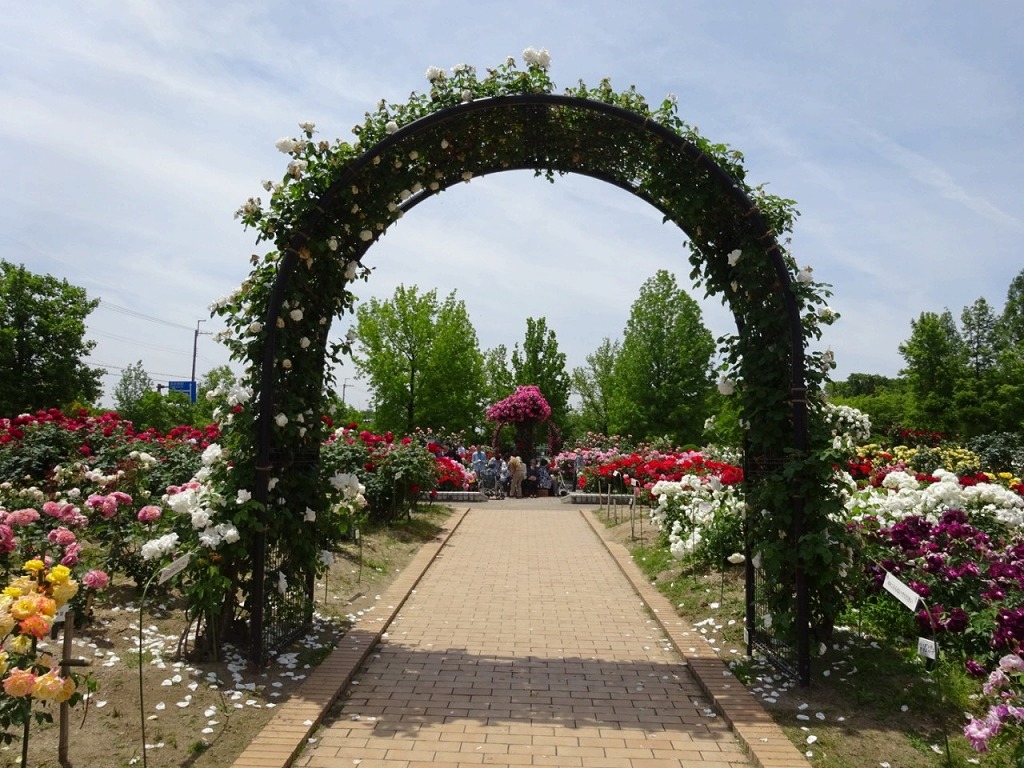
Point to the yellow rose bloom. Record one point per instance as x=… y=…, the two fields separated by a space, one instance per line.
x=24 y=607
x=21 y=644
x=49 y=686
x=58 y=574
x=34 y=566
x=25 y=584
x=12 y=591
x=3 y=662
x=64 y=591
x=7 y=623
x=67 y=692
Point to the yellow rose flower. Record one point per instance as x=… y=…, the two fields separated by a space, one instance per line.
x=24 y=607
x=3 y=662
x=64 y=591
x=21 y=644
x=7 y=623
x=58 y=574
x=24 y=584
x=34 y=566
x=49 y=686
x=12 y=591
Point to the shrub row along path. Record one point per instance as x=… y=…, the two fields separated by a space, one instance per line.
x=522 y=637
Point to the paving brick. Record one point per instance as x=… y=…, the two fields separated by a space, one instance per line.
x=527 y=641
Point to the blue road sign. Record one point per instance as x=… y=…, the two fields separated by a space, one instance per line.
x=188 y=387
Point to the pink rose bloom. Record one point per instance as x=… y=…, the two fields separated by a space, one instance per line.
x=149 y=514
x=61 y=536
x=19 y=682
x=52 y=508
x=22 y=517
x=71 y=555
x=7 y=541
x=95 y=580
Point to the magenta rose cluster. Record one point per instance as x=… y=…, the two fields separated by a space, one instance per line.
x=525 y=404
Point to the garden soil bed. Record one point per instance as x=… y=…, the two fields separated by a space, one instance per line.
x=197 y=712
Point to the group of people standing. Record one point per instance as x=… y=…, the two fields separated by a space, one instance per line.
x=518 y=478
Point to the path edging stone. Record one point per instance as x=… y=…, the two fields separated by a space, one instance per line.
x=766 y=744
x=295 y=721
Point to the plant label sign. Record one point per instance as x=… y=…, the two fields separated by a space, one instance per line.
x=900 y=591
x=174 y=568
x=927 y=648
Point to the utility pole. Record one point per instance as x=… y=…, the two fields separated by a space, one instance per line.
x=344 y=386
x=195 y=351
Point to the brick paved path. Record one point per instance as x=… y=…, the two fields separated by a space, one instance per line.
x=524 y=645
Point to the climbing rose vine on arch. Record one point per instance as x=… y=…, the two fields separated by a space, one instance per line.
x=336 y=198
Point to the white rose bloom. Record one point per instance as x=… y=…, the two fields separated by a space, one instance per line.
x=326 y=557
x=200 y=519
x=228 y=532
x=304 y=342
x=309 y=516
x=350 y=270
x=805 y=276
x=282 y=583
x=366 y=235
x=243 y=496
x=212 y=454
x=295 y=314
x=286 y=145
x=281 y=420
x=391 y=126
x=734 y=256
x=726 y=386
x=307 y=126
x=434 y=74
x=333 y=243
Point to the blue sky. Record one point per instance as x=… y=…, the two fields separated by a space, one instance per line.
x=131 y=131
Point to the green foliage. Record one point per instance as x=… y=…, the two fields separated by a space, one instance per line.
x=42 y=343
x=542 y=364
x=663 y=371
x=595 y=384
x=407 y=350
x=130 y=389
x=936 y=362
x=1000 y=451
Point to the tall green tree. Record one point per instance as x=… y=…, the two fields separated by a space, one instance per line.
x=978 y=324
x=664 y=367
x=42 y=342
x=595 y=385
x=500 y=381
x=130 y=389
x=422 y=361
x=936 y=364
x=541 y=363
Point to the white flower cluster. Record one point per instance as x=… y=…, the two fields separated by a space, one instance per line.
x=159 y=547
x=694 y=499
x=902 y=495
x=352 y=491
x=540 y=58
x=848 y=426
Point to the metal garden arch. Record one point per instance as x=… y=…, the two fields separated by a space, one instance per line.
x=550 y=134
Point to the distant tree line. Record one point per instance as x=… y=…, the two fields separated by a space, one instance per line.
x=964 y=379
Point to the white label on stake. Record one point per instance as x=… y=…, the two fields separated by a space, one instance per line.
x=900 y=591
x=62 y=613
x=174 y=568
x=926 y=648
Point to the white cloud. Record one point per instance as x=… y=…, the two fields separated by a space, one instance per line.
x=131 y=132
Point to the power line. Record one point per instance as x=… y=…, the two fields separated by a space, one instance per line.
x=141 y=315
